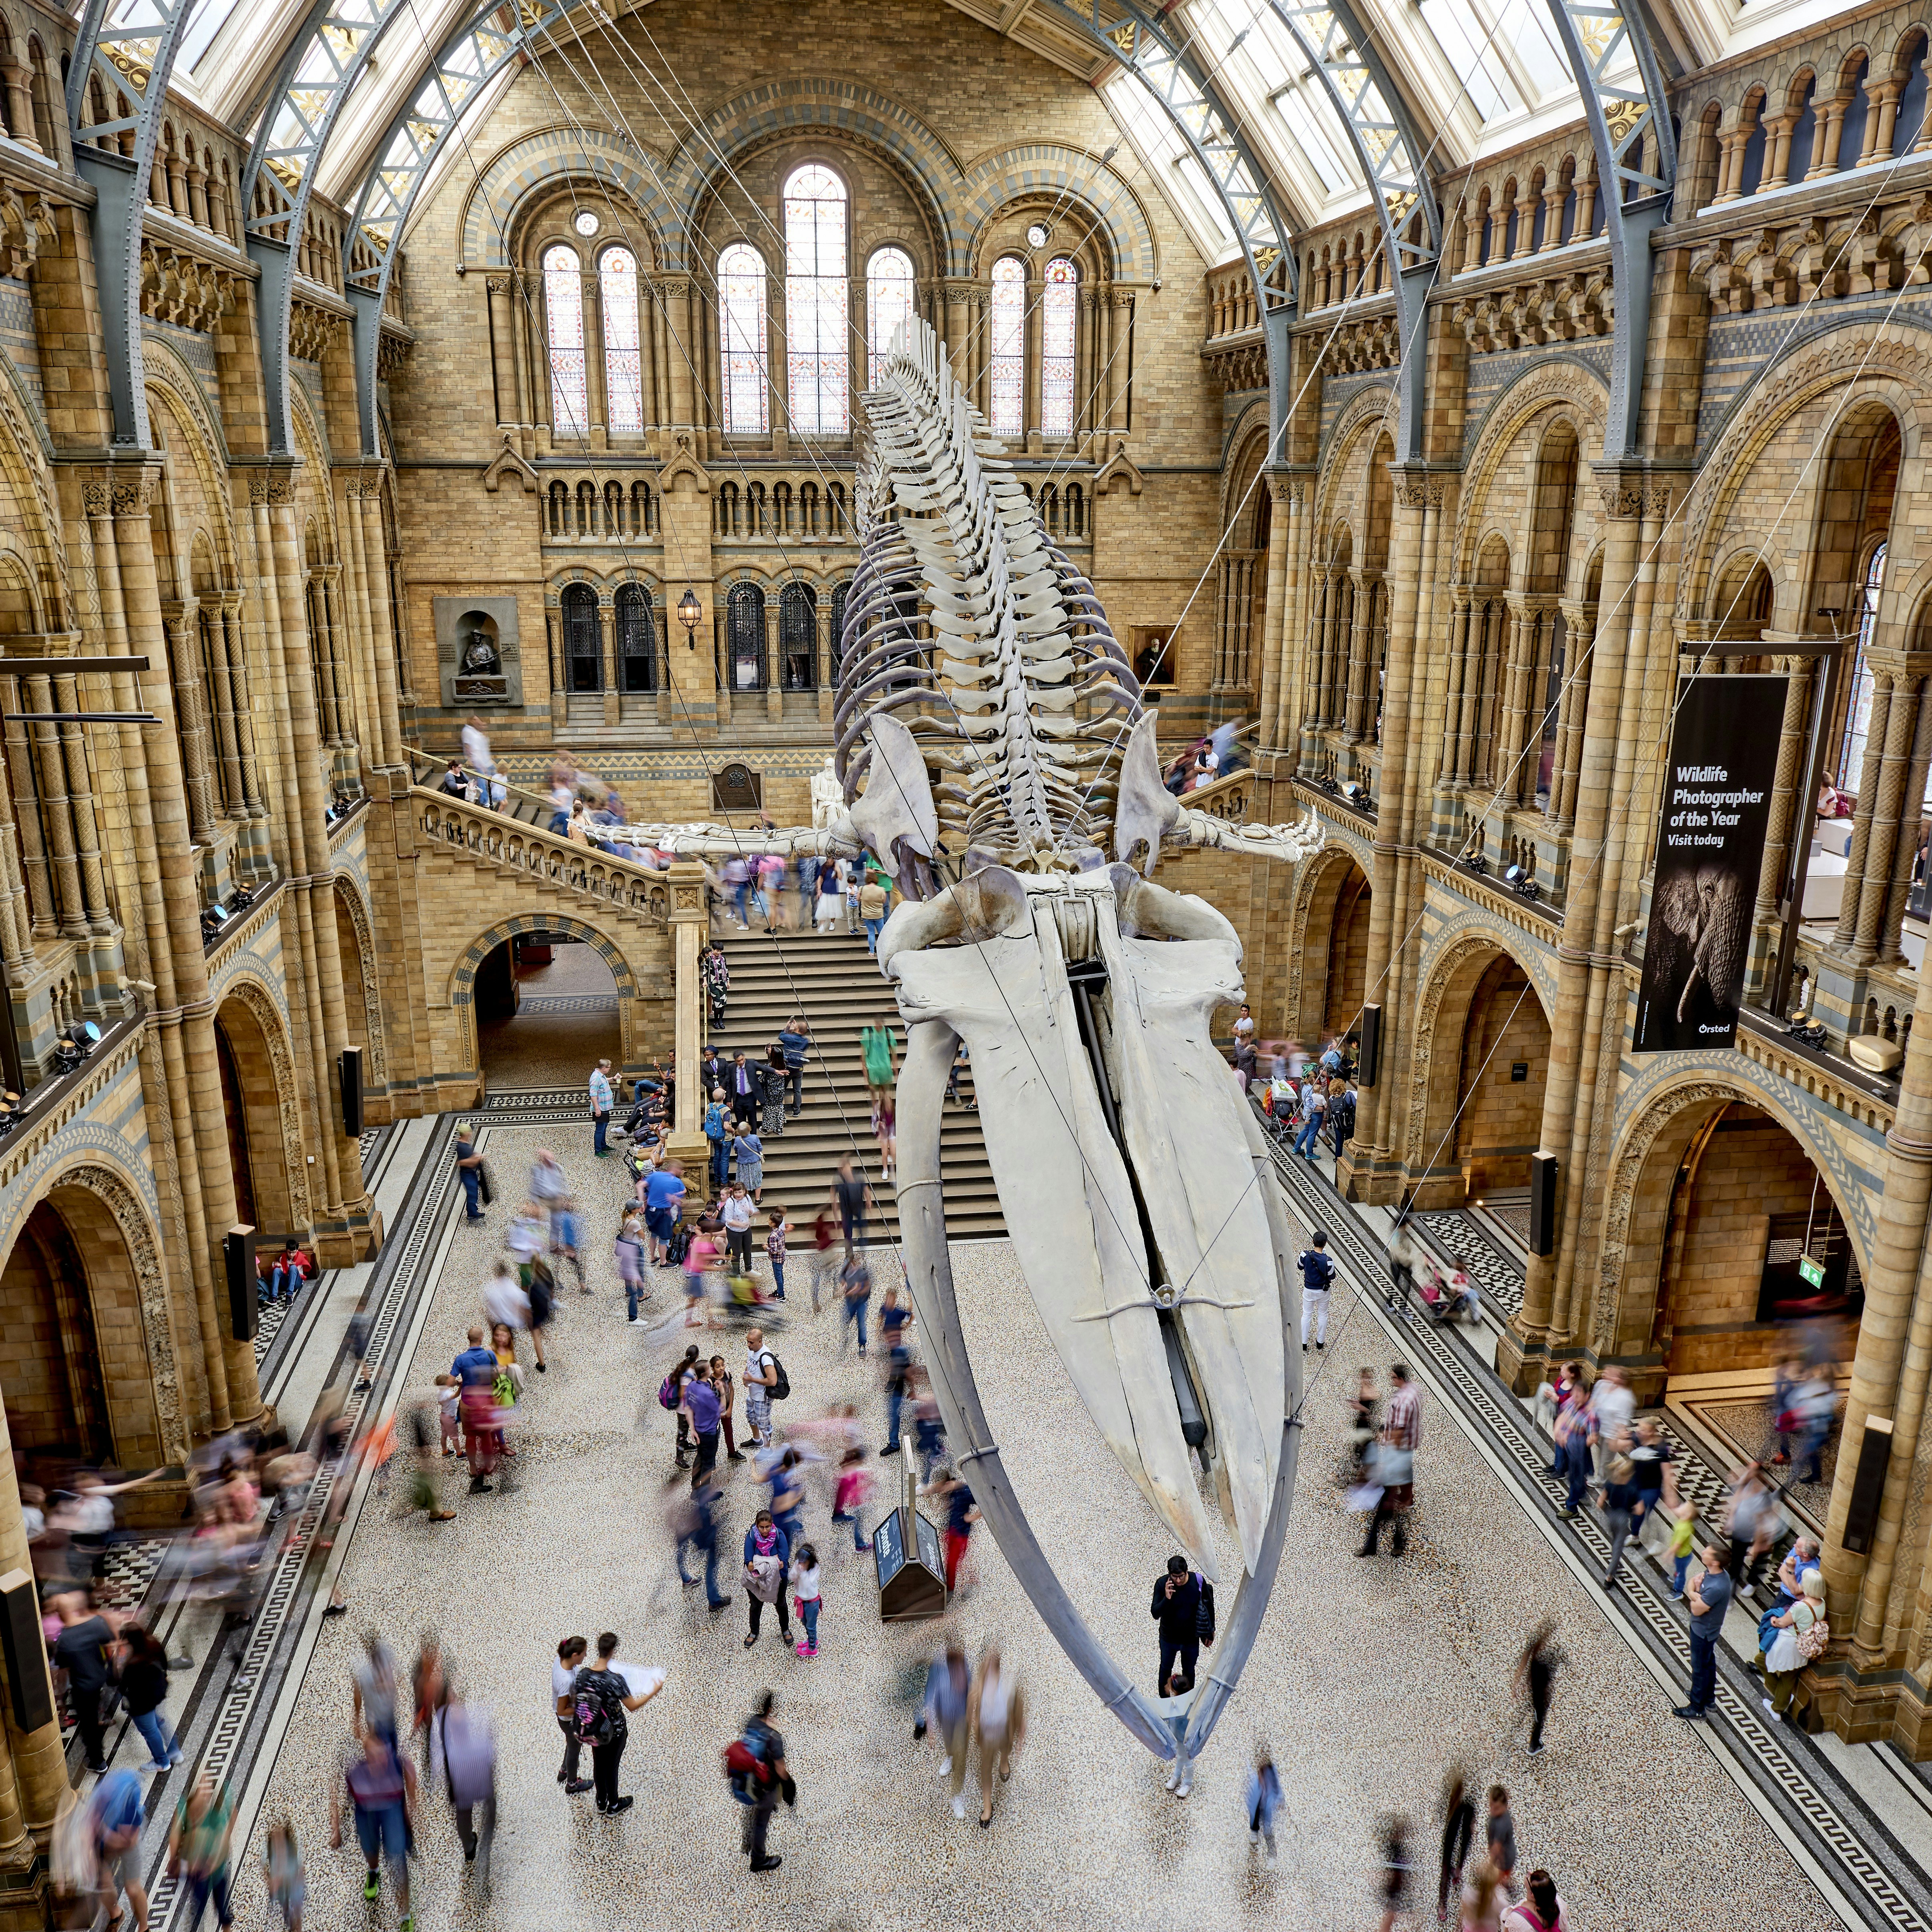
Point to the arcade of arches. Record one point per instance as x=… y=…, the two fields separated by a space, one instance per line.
x=569 y=447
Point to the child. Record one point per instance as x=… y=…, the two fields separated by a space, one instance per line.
x=804 y=1573
x=855 y=1484
x=775 y=1249
x=698 y=1257
x=447 y=1405
x=629 y=1253
x=1502 y=1840
x=720 y=1380
x=1682 y=1533
x=283 y=1868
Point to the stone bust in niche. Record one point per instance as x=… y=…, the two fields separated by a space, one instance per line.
x=480 y=677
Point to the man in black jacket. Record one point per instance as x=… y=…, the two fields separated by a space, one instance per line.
x=1183 y=1605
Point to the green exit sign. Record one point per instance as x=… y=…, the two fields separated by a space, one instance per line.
x=1813 y=1272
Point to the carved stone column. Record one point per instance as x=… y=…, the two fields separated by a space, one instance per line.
x=40 y=773
x=607 y=632
x=19 y=103
x=1877 y=735
x=1579 y=627
x=233 y=650
x=674 y=291
x=1459 y=620
x=79 y=783
x=1355 y=701
x=1893 y=803
x=185 y=662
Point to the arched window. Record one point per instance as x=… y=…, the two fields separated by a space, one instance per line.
x=816 y=302
x=583 y=644
x=888 y=304
x=637 y=639
x=798 y=637
x=623 y=359
x=741 y=334
x=745 y=637
x=563 y=316
x=1058 y=307
x=1857 y=710
x=1009 y=345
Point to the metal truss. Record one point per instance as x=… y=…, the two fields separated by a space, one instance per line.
x=129 y=46
x=1627 y=124
x=1144 y=42
x=463 y=66
x=325 y=60
x=1393 y=159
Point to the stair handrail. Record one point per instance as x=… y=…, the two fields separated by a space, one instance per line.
x=426 y=771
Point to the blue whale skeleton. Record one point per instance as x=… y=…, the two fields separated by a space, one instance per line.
x=997 y=762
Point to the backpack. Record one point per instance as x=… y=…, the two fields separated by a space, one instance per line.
x=679 y=1246
x=593 y=1718
x=746 y=1772
x=667 y=1391
x=780 y=1389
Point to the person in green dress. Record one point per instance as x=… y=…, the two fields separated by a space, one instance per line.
x=878 y=1045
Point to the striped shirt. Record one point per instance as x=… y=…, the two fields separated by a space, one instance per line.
x=1402 y=1426
x=600 y=1091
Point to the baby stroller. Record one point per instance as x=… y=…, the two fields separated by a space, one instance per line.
x=1452 y=1299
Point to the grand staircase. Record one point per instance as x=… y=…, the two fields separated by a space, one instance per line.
x=830 y=978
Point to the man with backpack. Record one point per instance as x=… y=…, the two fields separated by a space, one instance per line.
x=596 y=1703
x=764 y=1384
x=754 y=1765
x=1184 y=1606
x=1317 y=1277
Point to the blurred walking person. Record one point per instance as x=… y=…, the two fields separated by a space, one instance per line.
x=144 y=1685
x=381 y=1791
x=198 y=1854
x=760 y=1776
x=1396 y=1872
x=996 y=1713
x=1263 y=1803
x=1542 y=1911
x=946 y=1707
x=1395 y=1464
x=463 y=1759
x=1459 y=1827
x=1542 y=1657
x=282 y=1877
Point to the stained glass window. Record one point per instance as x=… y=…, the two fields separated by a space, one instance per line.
x=1858 y=712
x=623 y=359
x=888 y=304
x=563 y=312
x=741 y=330
x=1058 y=308
x=1009 y=345
x=816 y=302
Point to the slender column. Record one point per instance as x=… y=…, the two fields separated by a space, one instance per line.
x=1877 y=735
x=19 y=103
x=675 y=292
x=1528 y=1341
x=1034 y=340
x=336 y=680
x=185 y=661
x=1457 y=669
x=184 y=1014
x=79 y=785
x=1520 y=625
x=16 y=917
x=49 y=782
x=1552 y=217
x=1874 y=879
x=234 y=651
x=362 y=587
x=1120 y=352
x=1831 y=119
x=1881 y=94
x=387 y=752
x=689 y=923
x=1356 y=699
x=1730 y=165
x=1777 y=152
x=1905 y=848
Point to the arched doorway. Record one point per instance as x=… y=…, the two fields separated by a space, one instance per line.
x=1333 y=948
x=74 y=1368
x=546 y=1012
x=1483 y=1041
x=1726 y=1203
x=259 y=1132
x=1505 y=1058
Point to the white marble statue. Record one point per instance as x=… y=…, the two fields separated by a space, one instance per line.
x=828 y=798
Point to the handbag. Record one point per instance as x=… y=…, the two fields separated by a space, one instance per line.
x=483 y=1187
x=1811 y=1642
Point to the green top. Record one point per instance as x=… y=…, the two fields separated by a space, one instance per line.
x=201 y=1840
x=877 y=1043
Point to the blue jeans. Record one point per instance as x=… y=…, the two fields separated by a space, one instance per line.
x=808 y=1608
x=873 y=928
x=710 y=1549
x=603 y=1121
x=853 y=1311
x=721 y=1161
x=857 y=1520
x=894 y=1404
x=777 y=1281
x=1703 y=1672
x=153 y=1726
x=739 y=893
x=1304 y=1142
x=201 y=1886
x=632 y=1290
x=471 y=1200
x=1677 y=1566
x=1578 y=1459
x=560 y=824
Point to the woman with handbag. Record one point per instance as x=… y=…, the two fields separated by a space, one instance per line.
x=1802 y=1634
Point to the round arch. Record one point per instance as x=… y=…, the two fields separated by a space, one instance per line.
x=1314 y=914
x=88 y=1362
x=1641 y=1197
x=1452 y=981
x=265 y=1136
x=356 y=942
x=462 y=981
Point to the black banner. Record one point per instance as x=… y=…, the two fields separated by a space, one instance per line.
x=1710 y=845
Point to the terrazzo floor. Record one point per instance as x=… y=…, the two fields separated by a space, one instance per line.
x=553 y=1048
x=1368 y=1678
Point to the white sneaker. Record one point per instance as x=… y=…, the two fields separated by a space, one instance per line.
x=1174 y=1775
x=959 y=1806
x=637 y=1322
x=1269 y=1861
x=1186 y=1785
x=945 y=1767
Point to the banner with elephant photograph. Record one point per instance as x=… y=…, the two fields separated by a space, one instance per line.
x=1710 y=846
